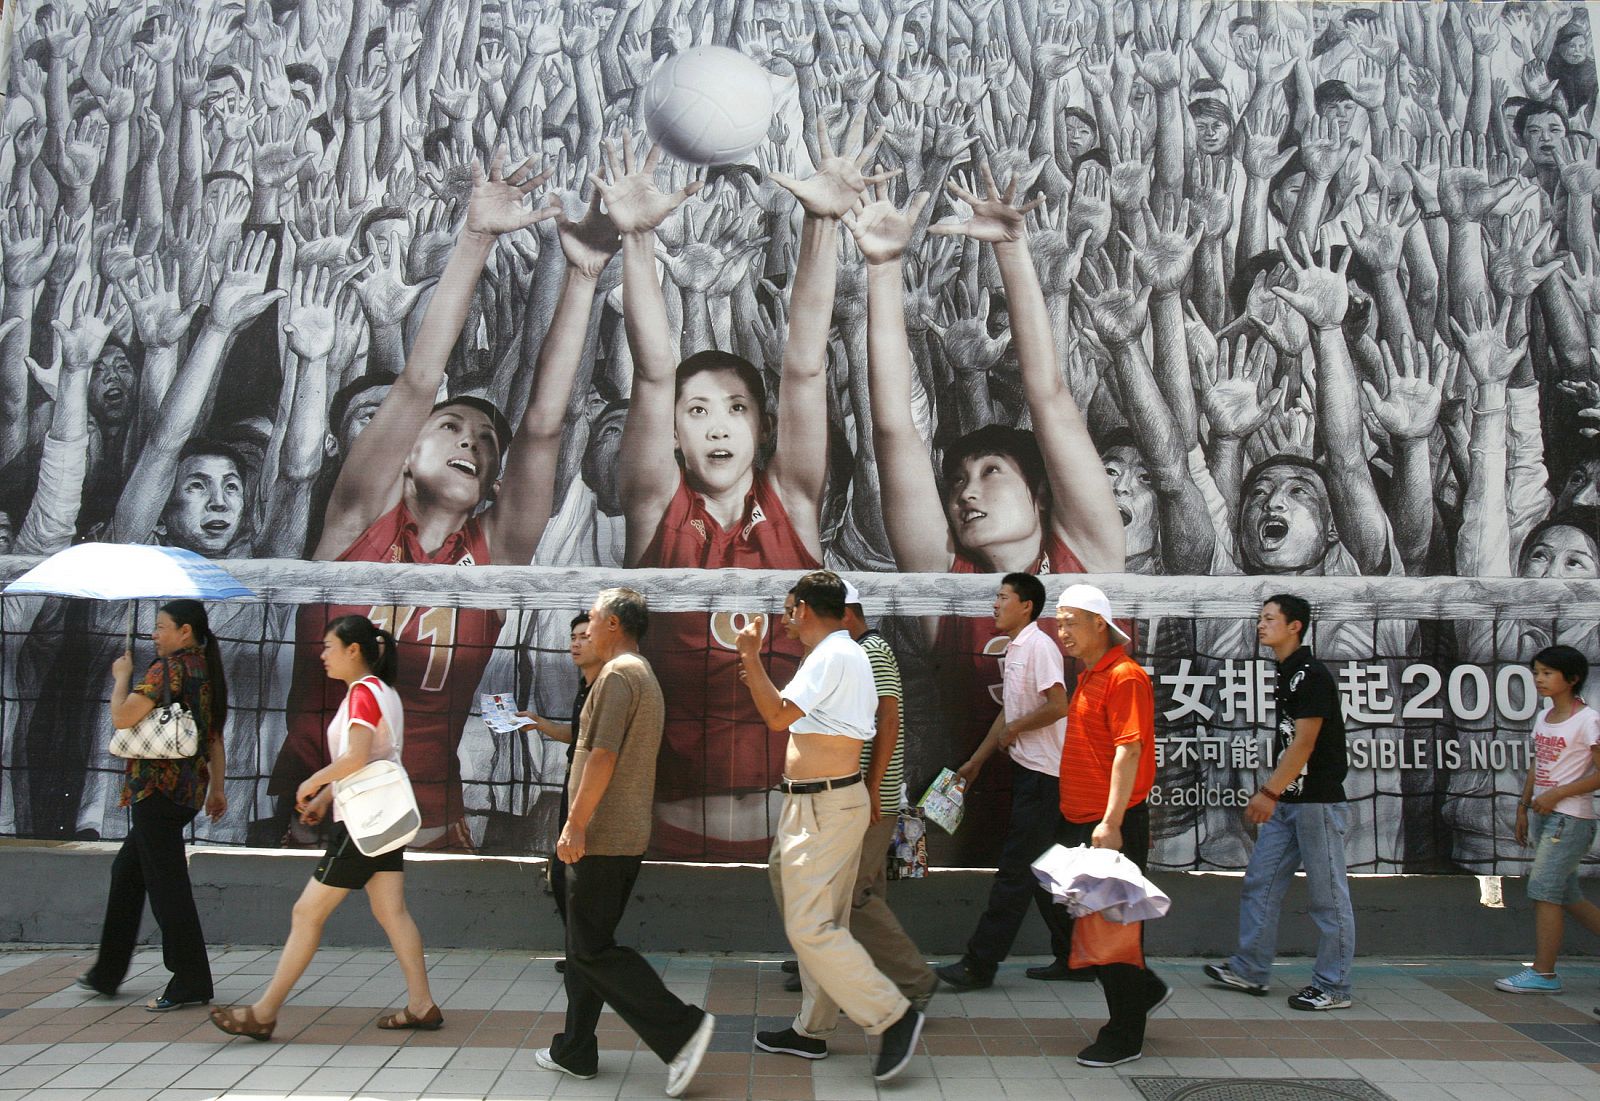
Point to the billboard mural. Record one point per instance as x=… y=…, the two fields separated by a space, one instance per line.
x=1223 y=289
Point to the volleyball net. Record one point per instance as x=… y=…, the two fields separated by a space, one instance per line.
x=1433 y=675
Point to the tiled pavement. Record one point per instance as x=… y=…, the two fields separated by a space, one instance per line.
x=1430 y=1030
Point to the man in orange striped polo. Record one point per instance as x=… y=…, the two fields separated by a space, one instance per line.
x=1108 y=763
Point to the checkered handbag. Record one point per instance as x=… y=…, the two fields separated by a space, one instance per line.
x=168 y=733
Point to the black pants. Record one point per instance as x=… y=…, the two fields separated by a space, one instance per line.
x=1035 y=817
x=558 y=887
x=558 y=870
x=602 y=972
x=150 y=863
x=1129 y=990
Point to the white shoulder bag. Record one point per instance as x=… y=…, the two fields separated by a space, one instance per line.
x=378 y=807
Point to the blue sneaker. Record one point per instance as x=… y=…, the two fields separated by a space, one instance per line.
x=1529 y=981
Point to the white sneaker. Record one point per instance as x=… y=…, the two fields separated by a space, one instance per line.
x=548 y=1062
x=680 y=1072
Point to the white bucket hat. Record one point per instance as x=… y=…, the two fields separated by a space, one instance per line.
x=1087 y=598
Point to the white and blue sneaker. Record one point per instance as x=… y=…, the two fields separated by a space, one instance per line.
x=1529 y=981
x=1314 y=998
x=1225 y=975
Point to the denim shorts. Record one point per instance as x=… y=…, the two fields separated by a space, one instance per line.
x=1560 y=842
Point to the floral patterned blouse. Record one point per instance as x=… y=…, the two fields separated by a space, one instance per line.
x=183 y=781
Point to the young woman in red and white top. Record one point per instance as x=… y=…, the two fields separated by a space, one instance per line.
x=369 y=726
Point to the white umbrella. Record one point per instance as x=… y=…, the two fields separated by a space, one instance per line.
x=129 y=571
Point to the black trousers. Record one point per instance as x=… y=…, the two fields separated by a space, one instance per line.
x=151 y=864
x=1129 y=990
x=558 y=887
x=602 y=972
x=1035 y=818
x=558 y=870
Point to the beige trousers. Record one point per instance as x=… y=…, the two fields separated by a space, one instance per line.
x=872 y=923
x=817 y=854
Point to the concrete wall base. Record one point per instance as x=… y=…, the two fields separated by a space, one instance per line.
x=55 y=893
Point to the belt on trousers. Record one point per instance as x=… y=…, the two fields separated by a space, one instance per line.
x=811 y=787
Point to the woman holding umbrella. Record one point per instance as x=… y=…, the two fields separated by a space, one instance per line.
x=164 y=797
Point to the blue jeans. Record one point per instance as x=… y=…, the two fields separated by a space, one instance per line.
x=1559 y=842
x=1312 y=835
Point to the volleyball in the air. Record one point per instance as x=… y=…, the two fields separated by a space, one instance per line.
x=708 y=105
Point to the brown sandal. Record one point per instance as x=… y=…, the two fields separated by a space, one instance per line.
x=430 y=1021
x=242 y=1023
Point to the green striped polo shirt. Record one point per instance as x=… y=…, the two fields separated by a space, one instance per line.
x=886 y=676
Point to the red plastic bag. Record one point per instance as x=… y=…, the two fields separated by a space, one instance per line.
x=1096 y=940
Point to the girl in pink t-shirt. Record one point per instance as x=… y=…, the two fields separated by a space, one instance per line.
x=1558 y=803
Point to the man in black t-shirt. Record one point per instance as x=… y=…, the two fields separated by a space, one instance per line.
x=1302 y=815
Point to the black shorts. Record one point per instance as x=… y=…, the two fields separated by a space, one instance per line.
x=343 y=865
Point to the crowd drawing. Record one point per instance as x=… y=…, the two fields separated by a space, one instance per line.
x=1065 y=286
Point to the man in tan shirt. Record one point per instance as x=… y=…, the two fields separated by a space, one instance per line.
x=610 y=787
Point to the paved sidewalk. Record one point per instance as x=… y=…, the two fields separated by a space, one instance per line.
x=1430 y=1030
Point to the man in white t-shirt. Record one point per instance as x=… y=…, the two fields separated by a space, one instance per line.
x=1030 y=728
x=829 y=711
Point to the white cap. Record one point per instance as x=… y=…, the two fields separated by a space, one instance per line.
x=852 y=595
x=1087 y=598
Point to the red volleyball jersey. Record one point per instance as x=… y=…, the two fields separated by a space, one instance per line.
x=442 y=655
x=715 y=741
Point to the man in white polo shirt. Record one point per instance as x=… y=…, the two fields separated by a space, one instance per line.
x=828 y=710
x=1030 y=728
x=872 y=922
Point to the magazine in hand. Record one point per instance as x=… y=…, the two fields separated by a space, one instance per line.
x=944 y=801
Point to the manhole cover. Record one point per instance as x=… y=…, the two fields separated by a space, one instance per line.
x=1257 y=1089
